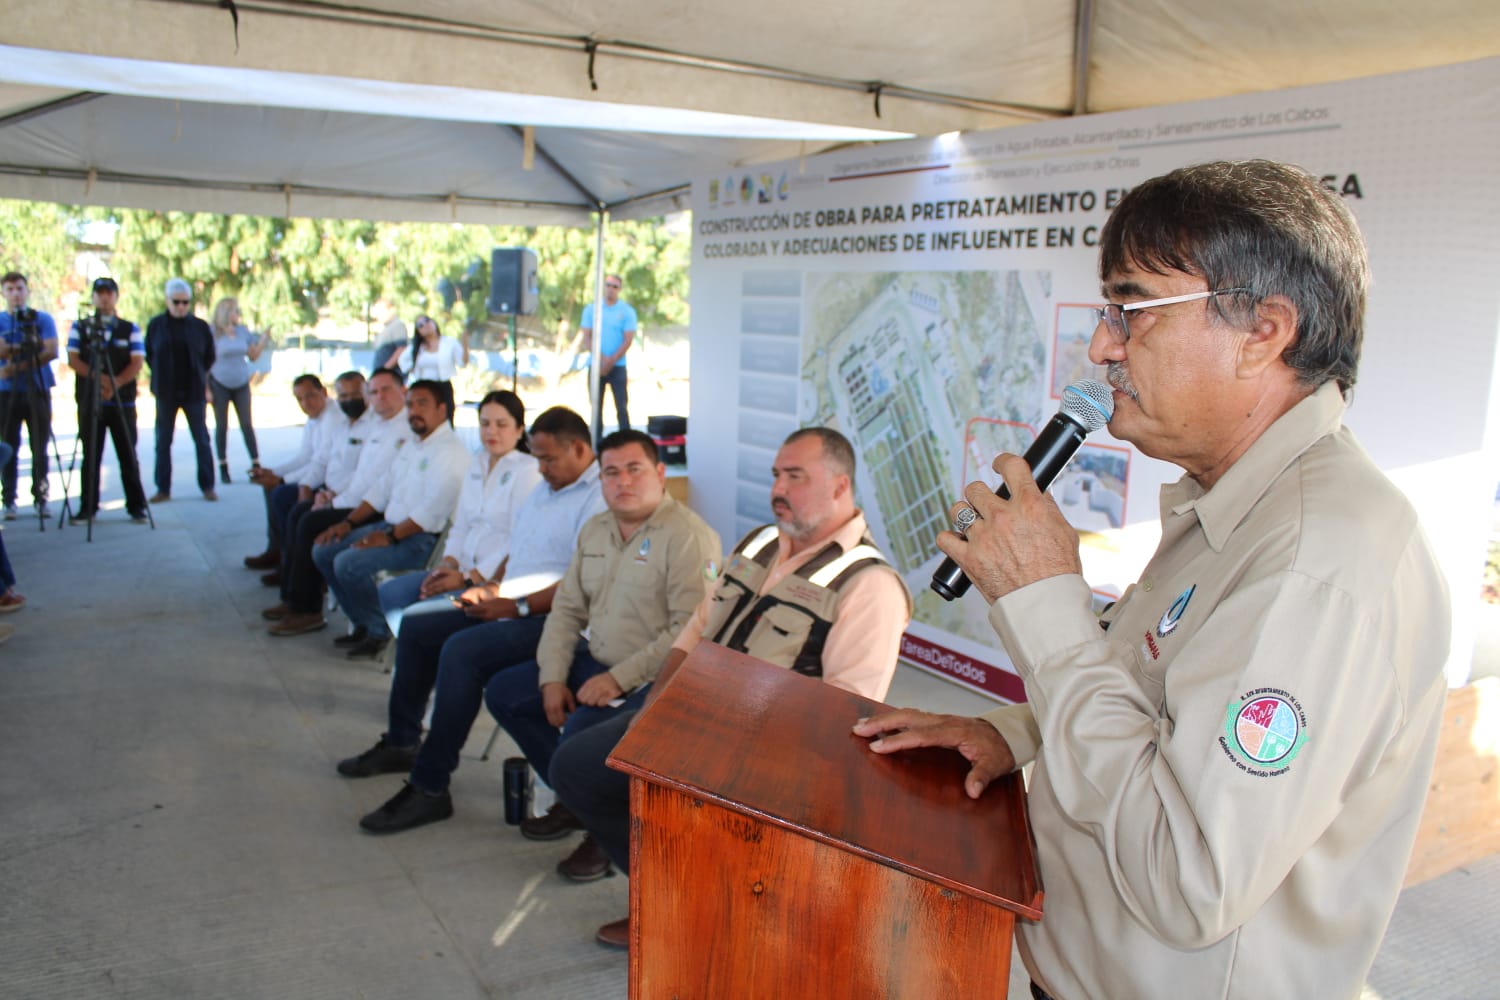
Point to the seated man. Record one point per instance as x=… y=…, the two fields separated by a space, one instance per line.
x=424 y=484
x=302 y=472
x=352 y=423
x=301 y=607
x=452 y=654
x=635 y=580
x=818 y=558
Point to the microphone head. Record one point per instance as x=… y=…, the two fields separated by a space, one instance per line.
x=1088 y=403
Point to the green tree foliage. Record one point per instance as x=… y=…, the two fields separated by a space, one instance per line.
x=289 y=273
x=40 y=240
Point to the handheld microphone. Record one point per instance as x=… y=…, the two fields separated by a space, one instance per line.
x=1086 y=407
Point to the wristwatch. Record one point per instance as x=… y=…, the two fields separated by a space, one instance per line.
x=523 y=608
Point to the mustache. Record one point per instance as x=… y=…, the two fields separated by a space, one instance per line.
x=1119 y=378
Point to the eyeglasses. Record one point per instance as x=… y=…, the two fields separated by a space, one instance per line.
x=1112 y=314
x=611 y=284
x=182 y=302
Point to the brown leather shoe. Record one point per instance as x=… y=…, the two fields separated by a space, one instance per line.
x=276 y=613
x=268 y=559
x=615 y=935
x=587 y=863
x=271 y=579
x=556 y=822
x=299 y=623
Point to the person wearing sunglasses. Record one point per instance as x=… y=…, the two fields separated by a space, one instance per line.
x=433 y=356
x=1230 y=762
x=180 y=350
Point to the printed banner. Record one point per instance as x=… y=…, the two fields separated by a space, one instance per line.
x=932 y=298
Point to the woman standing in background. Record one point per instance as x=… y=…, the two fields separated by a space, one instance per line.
x=229 y=380
x=433 y=355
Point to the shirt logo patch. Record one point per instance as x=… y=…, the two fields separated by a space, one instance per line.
x=504 y=477
x=710 y=570
x=1174 y=614
x=644 y=551
x=1264 y=731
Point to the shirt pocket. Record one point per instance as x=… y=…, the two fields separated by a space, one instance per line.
x=779 y=633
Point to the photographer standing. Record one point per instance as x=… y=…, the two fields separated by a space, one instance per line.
x=28 y=344
x=180 y=348
x=108 y=352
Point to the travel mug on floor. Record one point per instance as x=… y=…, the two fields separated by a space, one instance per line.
x=517 y=789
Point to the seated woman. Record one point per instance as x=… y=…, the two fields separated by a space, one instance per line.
x=433 y=356
x=502 y=473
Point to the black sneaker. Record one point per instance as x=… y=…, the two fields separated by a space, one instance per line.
x=408 y=809
x=359 y=635
x=367 y=649
x=382 y=758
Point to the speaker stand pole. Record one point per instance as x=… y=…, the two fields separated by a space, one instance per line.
x=515 y=355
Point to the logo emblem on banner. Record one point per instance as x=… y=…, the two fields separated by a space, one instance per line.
x=1264 y=731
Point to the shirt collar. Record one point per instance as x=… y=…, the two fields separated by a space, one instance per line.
x=1221 y=509
x=589 y=480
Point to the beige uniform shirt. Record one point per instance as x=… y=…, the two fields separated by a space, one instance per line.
x=874 y=609
x=633 y=595
x=1228 y=781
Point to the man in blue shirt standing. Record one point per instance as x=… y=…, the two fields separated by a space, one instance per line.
x=616 y=334
x=28 y=345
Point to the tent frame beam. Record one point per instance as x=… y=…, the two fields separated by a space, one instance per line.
x=593 y=48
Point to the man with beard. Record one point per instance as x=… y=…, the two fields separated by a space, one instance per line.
x=425 y=481
x=811 y=593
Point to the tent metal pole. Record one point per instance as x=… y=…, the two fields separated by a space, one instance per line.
x=1083 y=49
x=596 y=391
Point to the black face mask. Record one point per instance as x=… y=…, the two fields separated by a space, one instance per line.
x=353 y=408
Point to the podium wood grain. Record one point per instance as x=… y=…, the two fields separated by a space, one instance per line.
x=773 y=855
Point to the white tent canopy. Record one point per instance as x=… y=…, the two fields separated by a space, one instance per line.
x=478 y=111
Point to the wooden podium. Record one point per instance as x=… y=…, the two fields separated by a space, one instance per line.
x=772 y=854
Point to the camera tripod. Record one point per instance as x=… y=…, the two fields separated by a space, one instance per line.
x=93 y=420
x=27 y=387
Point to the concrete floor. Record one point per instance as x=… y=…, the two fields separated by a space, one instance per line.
x=171 y=824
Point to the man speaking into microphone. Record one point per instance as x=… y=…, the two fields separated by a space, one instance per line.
x=1231 y=762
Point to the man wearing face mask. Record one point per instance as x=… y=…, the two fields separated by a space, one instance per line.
x=340 y=505
x=286 y=482
x=351 y=421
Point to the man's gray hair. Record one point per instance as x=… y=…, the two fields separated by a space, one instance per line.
x=176 y=286
x=1267 y=227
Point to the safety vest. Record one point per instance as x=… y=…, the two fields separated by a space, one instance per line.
x=788 y=625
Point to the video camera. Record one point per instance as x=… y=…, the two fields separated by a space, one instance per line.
x=23 y=321
x=93 y=334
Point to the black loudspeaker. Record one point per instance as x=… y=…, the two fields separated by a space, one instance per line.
x=513 y=281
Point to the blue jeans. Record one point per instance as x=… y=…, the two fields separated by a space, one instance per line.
x=469 y=658
x=515 y=701
x=279 y=503
x=196 y=411
x=7 y=575
x=350 y=572
x=403 y=595
x=616 y=382
x=592 y=790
